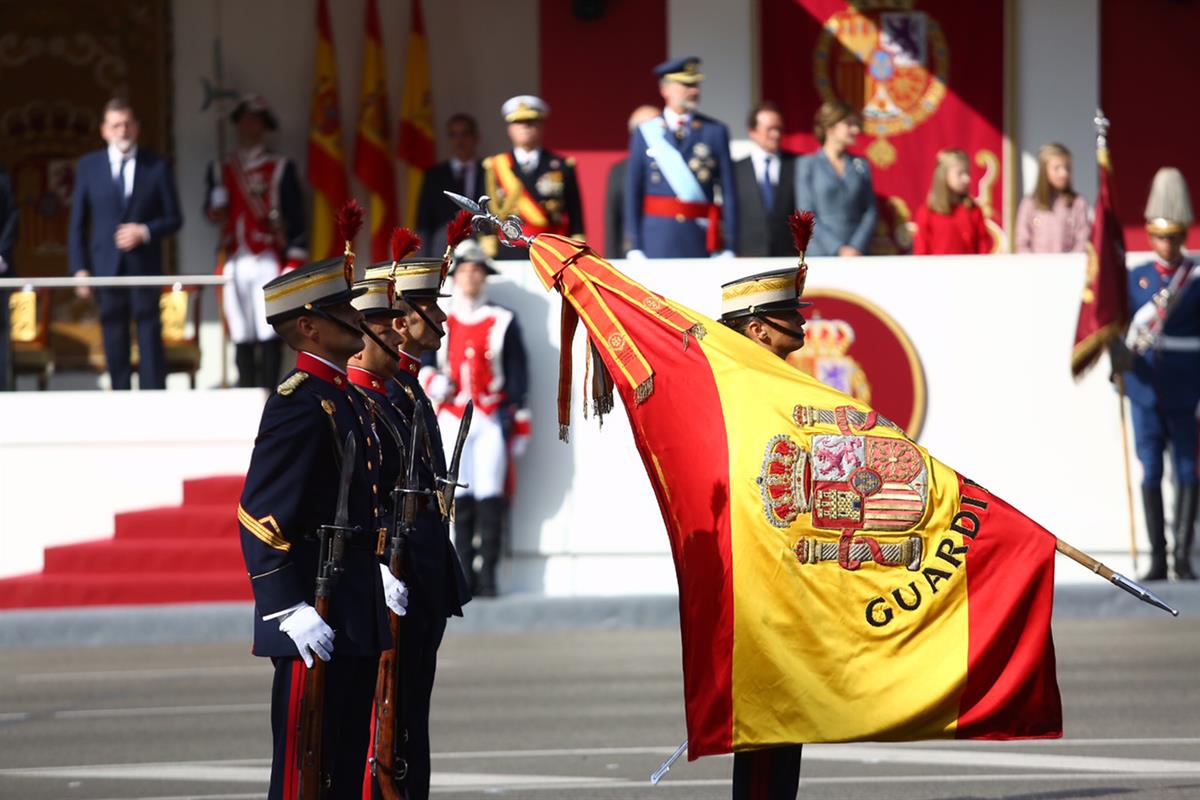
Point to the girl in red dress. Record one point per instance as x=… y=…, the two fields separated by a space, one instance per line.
x=950 y=223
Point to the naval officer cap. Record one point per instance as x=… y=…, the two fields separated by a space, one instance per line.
x=776 y=292
x=321 y=284
x=680 y=70
x=525 y=108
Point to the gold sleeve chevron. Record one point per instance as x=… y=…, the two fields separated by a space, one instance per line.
x=259 y=530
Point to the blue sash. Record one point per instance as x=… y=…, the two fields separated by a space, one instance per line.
x=679 y=176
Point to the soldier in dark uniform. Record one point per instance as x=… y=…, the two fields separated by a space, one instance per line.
x=439 y=588
x=678 y=162
x=1162 y=377
x=765 y=308
x=291 y=489
x=536 y=184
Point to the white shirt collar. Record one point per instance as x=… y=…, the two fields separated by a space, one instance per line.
x=458 y=164
x=115 y=156
x=526 y=156
x=758 y=157
x=673 y=120
x=329 y=364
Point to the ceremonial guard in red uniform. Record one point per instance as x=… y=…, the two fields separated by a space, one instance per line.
x=536 y=184
x=315 y=472
x=255 y=196
x=482 y=361
x=438 y=587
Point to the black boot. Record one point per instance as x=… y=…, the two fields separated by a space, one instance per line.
x=490 y=525
x=464 y=535
x=1152 y=502
x=243 y=357
x=270 y=356
x=1185 y=528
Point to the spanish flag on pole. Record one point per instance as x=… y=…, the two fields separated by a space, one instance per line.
x=836 y=582
x=326 y=165
x=416 y=147
x=372 y=148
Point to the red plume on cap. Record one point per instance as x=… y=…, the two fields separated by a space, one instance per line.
x=404 y=244
x=801 y=224
x=458 y=229
x=349 y=221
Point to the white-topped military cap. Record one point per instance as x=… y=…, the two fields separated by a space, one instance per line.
x=774 y=292
x=524 y=108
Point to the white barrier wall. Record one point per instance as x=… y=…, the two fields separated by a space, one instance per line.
x=993 y=333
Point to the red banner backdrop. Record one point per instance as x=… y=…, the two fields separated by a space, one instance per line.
x=928 y=74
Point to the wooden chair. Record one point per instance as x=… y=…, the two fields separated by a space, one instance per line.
x=180 y=309
x=29 y=322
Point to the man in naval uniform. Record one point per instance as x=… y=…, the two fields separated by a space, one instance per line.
x=438 y=587
x=1162 y=370
x=679 y=163
x=482 y=361
x=536 y=184
x=292 y=489
x=765 y=308
x=255 y=196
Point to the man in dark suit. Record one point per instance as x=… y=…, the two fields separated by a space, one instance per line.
x=766 y=186
x=462 y=174
x=614 y=202
x=123 y=207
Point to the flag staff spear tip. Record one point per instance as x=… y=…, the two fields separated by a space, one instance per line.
x=1114 y=577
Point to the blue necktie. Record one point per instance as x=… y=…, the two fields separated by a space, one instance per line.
x=764 y=186
x=119 y=182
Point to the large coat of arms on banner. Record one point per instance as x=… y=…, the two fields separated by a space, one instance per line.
x=926 y=74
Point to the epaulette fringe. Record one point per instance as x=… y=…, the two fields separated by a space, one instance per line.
x=289 y=385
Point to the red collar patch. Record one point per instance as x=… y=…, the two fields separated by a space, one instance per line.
x=409 y=364
x=367 y=380
x=319 y=369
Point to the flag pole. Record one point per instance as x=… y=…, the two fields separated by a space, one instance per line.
x=1114 y=577
x=1120 y=379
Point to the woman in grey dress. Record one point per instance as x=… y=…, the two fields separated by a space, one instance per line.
x=837 y=186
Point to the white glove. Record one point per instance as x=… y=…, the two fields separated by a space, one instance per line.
x=440 y=388
x=395 y=593
x=725 y=254
x=635 y=255
x=218 y=197
x=309 y=632
x=520 y=444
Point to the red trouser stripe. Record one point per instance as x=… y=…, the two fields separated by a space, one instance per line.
x=291 y=771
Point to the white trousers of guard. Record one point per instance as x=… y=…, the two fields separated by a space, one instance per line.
x=243 y=301
x=484 y=464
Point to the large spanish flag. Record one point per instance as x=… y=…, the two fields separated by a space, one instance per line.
x=372 y=148
x=416 y=147
x=326 y=165
x=836 y=583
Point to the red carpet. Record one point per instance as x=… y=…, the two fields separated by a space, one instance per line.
x=181 y=554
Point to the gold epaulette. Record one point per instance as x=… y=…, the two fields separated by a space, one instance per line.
x=487 y=163
x=570 y=161
x=289 y=385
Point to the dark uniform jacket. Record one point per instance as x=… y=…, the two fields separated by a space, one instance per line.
x=551 y=184
x=1167 y=376
x=438 y=585
x=291 y=489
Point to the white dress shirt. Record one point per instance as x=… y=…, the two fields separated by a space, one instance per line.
x=758 y=157
x=115 y=157
x=527 y=159
x=676 y=121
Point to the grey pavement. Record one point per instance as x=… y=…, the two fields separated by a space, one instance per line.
x=231 y=622
x=584 y=713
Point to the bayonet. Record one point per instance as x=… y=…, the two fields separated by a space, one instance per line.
x=449 y=482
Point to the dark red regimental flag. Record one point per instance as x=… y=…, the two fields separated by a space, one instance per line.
x=1104 y=307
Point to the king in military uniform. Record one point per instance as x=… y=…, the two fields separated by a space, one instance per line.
x=292 y=489
x=1163 y=375
x=678 y=163
x=536 y=184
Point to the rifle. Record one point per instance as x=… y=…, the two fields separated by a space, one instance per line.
x=387 y=762
x=332 y=543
